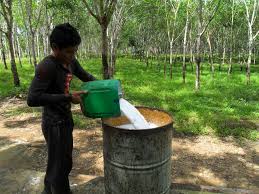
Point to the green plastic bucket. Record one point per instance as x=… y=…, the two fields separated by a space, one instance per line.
x=102 y=98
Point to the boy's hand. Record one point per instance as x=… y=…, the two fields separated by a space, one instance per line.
x=76 y=96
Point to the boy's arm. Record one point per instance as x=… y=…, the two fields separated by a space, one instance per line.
x=38 y=95
x=81 y=73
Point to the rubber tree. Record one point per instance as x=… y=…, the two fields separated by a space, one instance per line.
x=7 y=12
x=102 y=11
x=32 y=13
x=116 y=24
x=185 y=42
x=251 y=18
x=202 y=26
x=231 y=37
x=171 y=14
x=2 y=47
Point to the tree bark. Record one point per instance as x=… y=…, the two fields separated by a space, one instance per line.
x=254 y=56
x=17 y=46
x=231 y=39
x=191 y=49
x=185 y=45
x=3 y=51
x=106 y=74
x=38 y=44
x=171 y=59
x=198 y=44
x=165 y=64
x=250 y=48
x=198 y=61
x=33 y=49
x=113 y=55
x=147 y=58
x=28 y=48
x=210 y=55
x=13 y=64
x=251 y=36
x=8 y=16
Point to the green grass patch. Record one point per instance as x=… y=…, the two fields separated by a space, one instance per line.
x=25 y=73
x=224 y=106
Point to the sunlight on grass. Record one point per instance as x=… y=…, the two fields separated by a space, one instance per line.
x=224 y=106
x=18 y=111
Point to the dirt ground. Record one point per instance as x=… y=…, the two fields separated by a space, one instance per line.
x=200 y=160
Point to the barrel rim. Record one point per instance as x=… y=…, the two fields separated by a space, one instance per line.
x=150 y=129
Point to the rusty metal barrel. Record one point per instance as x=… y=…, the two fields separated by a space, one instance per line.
x=138 y=161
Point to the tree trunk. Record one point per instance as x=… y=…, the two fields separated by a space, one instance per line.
x=45 y=36
x=33 y=49
x=165 y=64
x=250 y=47
x=198 y=44
x=45 y=44
x=113 y=55
x=191 y=48
x=38 y=44
x=224 y=52
x=113 y=62
x=13 y=64
x=198 y=61
x=171 y=59
x=3 y=51
x=184 y=47
x=18 y=51
x=210 y=55
x=28 y=47
x=231 y=34
x=17 y=45
x=106 y=74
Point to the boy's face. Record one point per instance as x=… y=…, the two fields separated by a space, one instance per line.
x=65 y=55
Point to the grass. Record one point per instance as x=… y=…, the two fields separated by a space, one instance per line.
x=21 y=110
x=224 y=106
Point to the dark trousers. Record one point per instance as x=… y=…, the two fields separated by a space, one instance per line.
x=59 y=139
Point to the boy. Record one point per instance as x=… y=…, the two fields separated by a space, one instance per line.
x=50 y=89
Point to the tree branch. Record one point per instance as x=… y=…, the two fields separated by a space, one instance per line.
x=101 y=8
x=97 y=11
x=254 y=37
x=253 y=14
x=211 y=18
x=39 y=16
x=4 y=13
x=23 y=16
x=111 y=9
x=1 y=13
x=91 y=12
x=179 y=35
x=106 y=4
x=1 y=30
x=247 y=12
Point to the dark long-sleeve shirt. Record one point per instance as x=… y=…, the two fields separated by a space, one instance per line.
x=50 y=86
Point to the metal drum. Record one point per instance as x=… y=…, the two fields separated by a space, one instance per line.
x=138 y=161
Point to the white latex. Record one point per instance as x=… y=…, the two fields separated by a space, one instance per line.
x=131 y=126
x=134 y=116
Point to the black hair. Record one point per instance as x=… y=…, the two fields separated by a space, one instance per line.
x=64 y=35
